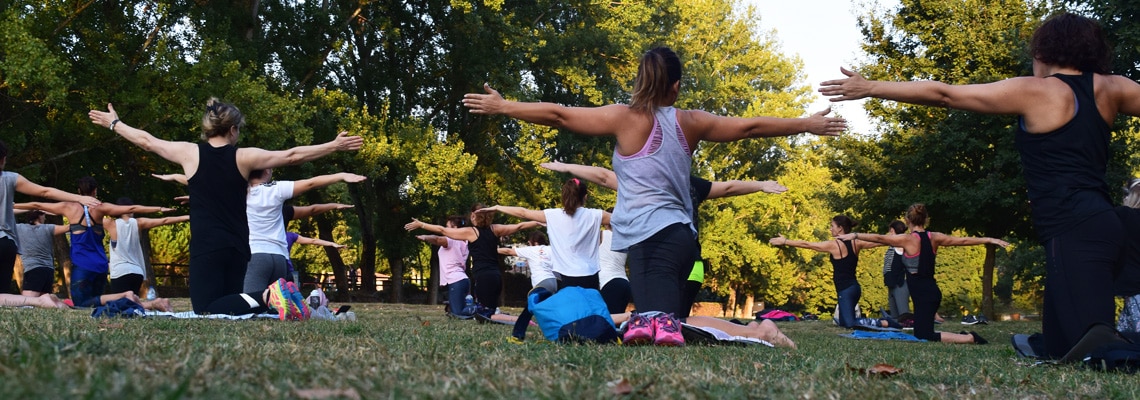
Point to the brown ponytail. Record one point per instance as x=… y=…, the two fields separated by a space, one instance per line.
x=573 y=195
x=659 y=69
x=916 y=215
x=220 y=118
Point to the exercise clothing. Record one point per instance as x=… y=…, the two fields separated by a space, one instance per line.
x=219 y=235
x=1065 y=175
x=87 y=250
x=265 y=219
x=452 y=262
x=611 y=263
x=574 y=240
x=1065 y=169
x=7 y=213
x=126 y=252
x=217 y=214
x=924 y=291
x=843 y=269
x=484 y=251
x=36 y=246
x=538 y=259
x=653 y=184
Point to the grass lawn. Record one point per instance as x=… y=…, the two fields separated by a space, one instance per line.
x=413 y=351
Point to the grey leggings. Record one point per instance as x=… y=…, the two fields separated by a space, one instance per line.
x=263 y=269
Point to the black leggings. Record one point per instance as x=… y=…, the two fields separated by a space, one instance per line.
x=7 y=263
x=659 y=267
x=216 y=280
x=588 y=281
x=616 y=295
x=126 y=283
x=926 y=295
x=1078 y=281
x=488 y=287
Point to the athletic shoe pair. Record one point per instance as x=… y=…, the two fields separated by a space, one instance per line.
x=974 y=320
x=661 y=329
x=288 y=301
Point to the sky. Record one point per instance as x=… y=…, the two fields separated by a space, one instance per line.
x=824 y=35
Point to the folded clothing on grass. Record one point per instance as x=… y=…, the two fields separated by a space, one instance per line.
x=882 y=336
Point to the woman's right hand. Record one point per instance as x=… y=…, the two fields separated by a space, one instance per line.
x=490 y=103
x=415 y=224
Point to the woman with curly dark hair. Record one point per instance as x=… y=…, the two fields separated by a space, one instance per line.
x=1065 y=113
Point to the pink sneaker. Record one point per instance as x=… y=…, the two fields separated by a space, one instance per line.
x=667 y=331
x=639 y=330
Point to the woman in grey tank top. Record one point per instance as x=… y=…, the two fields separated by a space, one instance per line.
x=652 y=218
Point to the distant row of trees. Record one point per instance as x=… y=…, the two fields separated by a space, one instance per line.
x=394 y=72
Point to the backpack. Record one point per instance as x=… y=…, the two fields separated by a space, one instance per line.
x=573 y=314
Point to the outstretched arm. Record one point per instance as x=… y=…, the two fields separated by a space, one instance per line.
x=316 y=182
x=600 y=176
x=60 y=229
x=706 y=126
x=54 y=208
x=737 y=188
x=434 y=240
x=464 y=234
x=113 y=209
x=520 y=212
x=593 y=121
x=823 y=247
x=178 y=178
x=947 y=240
x=147 y=223
x=23 y=185
x=181 y=153
x=508 y=251
x=318 y=242
x=899 y=240
x=251 y=158
x=505 y=230
x=1010 y=96
x=300 y=212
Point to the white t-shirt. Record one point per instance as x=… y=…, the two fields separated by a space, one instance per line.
x=574 y=240
x=126 y=254
x=538 y=259
x=612 y=262
x=266 y=225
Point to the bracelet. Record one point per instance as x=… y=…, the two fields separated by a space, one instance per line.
x=112 y=126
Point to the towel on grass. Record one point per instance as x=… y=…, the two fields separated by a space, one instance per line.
x=193 y=315
x=882 y=336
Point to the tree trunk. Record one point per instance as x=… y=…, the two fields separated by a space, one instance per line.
x=148 y=269
x=731 y=310
x=325 y=232
x=396 y=292
x=433 y=279
x=748 y=302
x=63 y=258
x=988 y=283
x=367 y=263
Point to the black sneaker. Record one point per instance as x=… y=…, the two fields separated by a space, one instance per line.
x=970 y=320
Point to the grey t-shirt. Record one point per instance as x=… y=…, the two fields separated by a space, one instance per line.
x=36 y=245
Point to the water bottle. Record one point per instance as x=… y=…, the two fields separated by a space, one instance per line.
x=151 y=294
x=469 y=305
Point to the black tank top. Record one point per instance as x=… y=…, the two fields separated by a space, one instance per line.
x=843 y=269
x=217 y=202
x=1065 y=169
x=925 y=256
x=484 y=251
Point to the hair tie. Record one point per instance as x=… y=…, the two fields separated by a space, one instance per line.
x=576 y=182
x=212 y=108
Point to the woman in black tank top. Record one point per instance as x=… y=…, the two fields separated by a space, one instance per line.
x=216 y=170
x=483 y=245
x=844 y=258
x=1065 y=111
x=924 y=290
